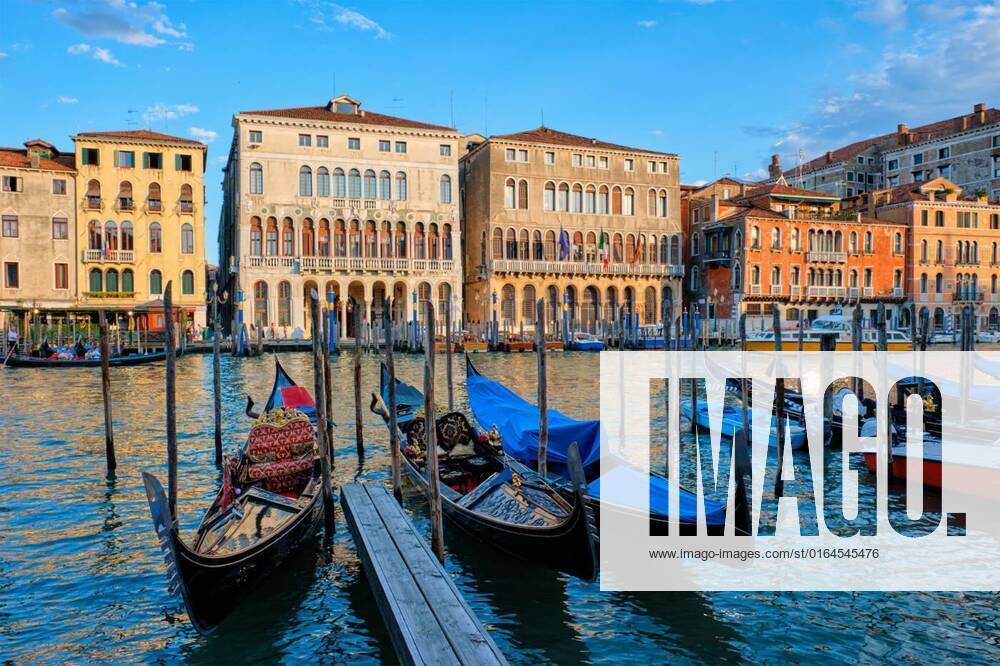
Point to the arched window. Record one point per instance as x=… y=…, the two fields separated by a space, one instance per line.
x=111 y=281
x=419 y=247
x=153 y=200
x=897 y=243
x=307 y=247
x=94 y=194
x=602 y=200
x=939 y=283
x=616 y=200
x=523 y=251
x=155 y=238
x=355 y=238
x=94 y=238
x=737 y=277
x=550 y=245
x=339 y=186
x=385 y=186
x=128 y=236
x=272 y=237
x=509 y=193
x=305 y=182
x=128 y=281
x=776 y=276
x=868 y=242
x=511 y=249
x=284 y=304
x=110 y=236
x=528 y=304
x=287 y=238
x=522 y=195
x=775 y=238
x=651 y=203
x=445 y=195
x=323 y=238
x=549 y=199
x=497 y=244
x=354 y=184
x=446 y=237
x=628 y=202
x=370 y=185
x=590 y=200
x=507 y=302
x=576 y=200
x=401 y=241
x=260 y=314
x=537 y=249
x=125 y=195
x=187 y=202
x=187 y=283
x=662 y=202
x=96 y=281
x=155 y=283
x=187 y=239
x=256 y=179
x=400 y=186
x=923 y=283
x=562 y=201
x=754 y=238
x=322 y=182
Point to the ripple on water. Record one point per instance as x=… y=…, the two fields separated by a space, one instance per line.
x=82 y=579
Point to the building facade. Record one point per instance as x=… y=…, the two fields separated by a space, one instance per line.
x=140 y=215
x=953 y=254
x=358 y=205
x=795 y=250
x=38 y=240
x=589 y=224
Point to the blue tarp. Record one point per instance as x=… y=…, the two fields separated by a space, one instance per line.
x=635 y=481
x=517 y=420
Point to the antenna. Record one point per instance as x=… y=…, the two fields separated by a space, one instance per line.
x=543 y=116
x=451 y=104
x=129 y=121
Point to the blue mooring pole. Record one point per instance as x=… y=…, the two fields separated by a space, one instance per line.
x=416 y=337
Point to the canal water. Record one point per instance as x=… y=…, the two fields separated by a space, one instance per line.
x=82 y=578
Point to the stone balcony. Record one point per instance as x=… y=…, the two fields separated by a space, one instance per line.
x=826 y=257
x=109 y=256
x=391 y=265
x=586 y=268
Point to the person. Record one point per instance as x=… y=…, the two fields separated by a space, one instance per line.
x=45 y=351
x=12 y=337
x=81 y=351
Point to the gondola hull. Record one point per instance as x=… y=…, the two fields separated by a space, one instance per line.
x=114 y=362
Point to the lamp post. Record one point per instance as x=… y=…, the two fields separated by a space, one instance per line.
x=213 y=298
x=239 y=321
x=495 y=329
x=416 y=336
x=331 y=314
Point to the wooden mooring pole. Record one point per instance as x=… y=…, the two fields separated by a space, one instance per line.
x=170 y=346
x=543 y=399
x=447 y=353
x=327 y=382
x=109 y=429
x=319 y=388
x=390 y=366
x=358 y=425
x=779 y=401
x=430 y=430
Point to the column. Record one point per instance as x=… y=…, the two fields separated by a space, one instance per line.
x=343 y=315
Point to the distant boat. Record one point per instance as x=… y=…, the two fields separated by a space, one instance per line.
x=732 y=422
x=113 y=361
x=841 y=325
x=586 y=342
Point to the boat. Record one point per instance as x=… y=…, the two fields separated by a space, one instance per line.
x=114 y=361
x=496 y=406
x=585 y=342
x=269 y=504
x=649 y=336
x=487 y=494
x=836 y=323
x=732 y=422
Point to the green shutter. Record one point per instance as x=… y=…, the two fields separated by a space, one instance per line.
x=116 y=158
x=177 y=162
x=145 y=160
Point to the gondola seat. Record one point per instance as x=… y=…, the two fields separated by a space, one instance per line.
x=454 y=434
x=281 y=450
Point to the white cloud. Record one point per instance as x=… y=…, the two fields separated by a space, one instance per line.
x=204 y=135
x=96 y=52
x=63 y=99
x=167 y=112
x=3 y=56
x=700 y=182
x=323 y=13
x=646 y=23
x=123 y=21
x=759 y=174
x=887 y=13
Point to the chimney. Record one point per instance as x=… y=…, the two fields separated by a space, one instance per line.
x=903 y=132
x=715 y=207
x=829 y=157
x=980 y=111
x=901 y=128
x=774 y=170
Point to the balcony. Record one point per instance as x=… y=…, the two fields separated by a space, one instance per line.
x=109 y=256
x=109 y=294
x=755 y=290
x=154 y=206
x=125 y=204
x=93 y=202
x=354 y=264
x=585 y=268
x=968 y=296
x=776 y=290
x=187 y=207
x=826 y=292
x=827 y=257
x=796 y=291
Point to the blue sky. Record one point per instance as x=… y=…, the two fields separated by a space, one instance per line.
x=723 y=83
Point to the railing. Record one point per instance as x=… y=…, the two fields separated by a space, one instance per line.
x=125 y=203
x=585 y=268
x=776 y=290
x=897 y=291
x=826 y=292
x=154 y=205
x=867 y=292
x=839 y=257
x=755 y=290
x=796 y=291
x=94 y=203
x=109 y=294
x=187 y=206
x=109 y=256
x=968 y=295
x=331 y=264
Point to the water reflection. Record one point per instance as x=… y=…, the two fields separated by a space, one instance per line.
x=82 y=578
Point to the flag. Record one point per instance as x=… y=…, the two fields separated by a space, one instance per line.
x=563 y=244
x=602 y=249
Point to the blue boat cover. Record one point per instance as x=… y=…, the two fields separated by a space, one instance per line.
x=517 y=420
x=635 y=481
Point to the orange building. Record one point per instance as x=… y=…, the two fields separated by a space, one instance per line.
x=797 y=250
x=953 y=255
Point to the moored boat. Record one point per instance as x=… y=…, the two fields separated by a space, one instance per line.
x=268 y=505
x=586 y=342
x=821 y=327
x=114 y=361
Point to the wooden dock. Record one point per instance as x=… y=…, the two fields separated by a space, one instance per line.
x=427 y=618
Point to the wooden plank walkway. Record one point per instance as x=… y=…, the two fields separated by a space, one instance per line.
x=427 y=618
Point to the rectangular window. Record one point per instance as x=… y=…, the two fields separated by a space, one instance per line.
x=90 y=156
x=918 y=176
x=401 y=147
x=924 y=218
x=182 y=162
x=125 y=159
x=305 y=139
x=510 y=154
x=10 y=226
x=550 y=158
x=522 y=155
x=944 y=170
x=944 y=153
x=60 y=228
x=354 y=143
x=13 y=184
x=256 y=136
x=152 y=161
x=996 y=166
x=58 y=186
x=664 y=167
x=893 y=165
x=62 y=276
x=630 y=165
x=850 y=176
x=577 y=160
x=861 y=159
x=918 y=158
x=603 y=162
x=996 y=141
x=384 y=146
x=893 y=181
x=444 y=150
x=651 y=167
x=11 y=278
x=322 y=141
x=591 y=161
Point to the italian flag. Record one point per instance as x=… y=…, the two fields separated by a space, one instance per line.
x=602 y=249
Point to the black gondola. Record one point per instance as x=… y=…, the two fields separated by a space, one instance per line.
x=254 y=522
x=115 y=361
x=490 y=496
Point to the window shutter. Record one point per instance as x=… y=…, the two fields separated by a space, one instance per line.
x=117 y=160
x=177 y=162
x=145 y=160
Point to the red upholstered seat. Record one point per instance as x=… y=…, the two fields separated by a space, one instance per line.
x=281 y=452
x=281 y=468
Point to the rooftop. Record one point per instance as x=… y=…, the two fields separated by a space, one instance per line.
x=18 y=158
x=553 y=137
x=138 y=135
x=345 y=109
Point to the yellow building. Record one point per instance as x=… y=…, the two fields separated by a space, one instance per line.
x=140 y=220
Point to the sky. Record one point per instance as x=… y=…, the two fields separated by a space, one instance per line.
x=723 y=83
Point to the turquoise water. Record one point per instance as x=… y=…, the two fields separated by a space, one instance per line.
x=82 y=579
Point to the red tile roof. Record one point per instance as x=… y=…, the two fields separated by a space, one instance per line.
x=778 y=189
x=139 y=135
x=322 y=113
x=18 y=158
x=556 y=138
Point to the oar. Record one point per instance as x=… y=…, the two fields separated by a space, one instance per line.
x=10 y=352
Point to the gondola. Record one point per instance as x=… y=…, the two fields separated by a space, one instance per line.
x=114 y=362
x=494 y=405
x=268 y=505
x=490 y=496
